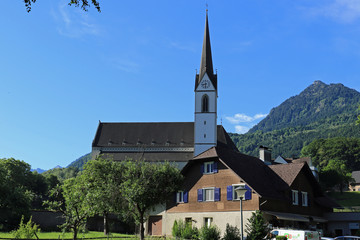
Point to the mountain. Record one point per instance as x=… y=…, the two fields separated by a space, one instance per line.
x=38 y=170
x=80 y=162
x=319 y=111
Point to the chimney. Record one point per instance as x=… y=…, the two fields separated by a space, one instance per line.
x=265 y=155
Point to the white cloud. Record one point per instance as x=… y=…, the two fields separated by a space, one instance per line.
x=259 y=115
x=340 y=10
x=240 y=117
x=74 y=22
x=247 y=121
x=241 y=129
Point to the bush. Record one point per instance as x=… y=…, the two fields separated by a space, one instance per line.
x=209 y=233
x=190 y=232
x=281 y=238
x=27 y=231
x=231 y=233
x=184 y=231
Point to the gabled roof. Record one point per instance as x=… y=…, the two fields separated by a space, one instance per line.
x=250 y=169
x=144 y=134
x=288 y=172
x=206 y=64
x=153 y=134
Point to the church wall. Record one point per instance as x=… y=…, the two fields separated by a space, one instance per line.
x=205 y=124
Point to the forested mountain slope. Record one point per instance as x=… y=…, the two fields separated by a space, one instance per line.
x=320 y=111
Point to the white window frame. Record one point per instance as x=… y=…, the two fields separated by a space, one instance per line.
x=211 y=166
x=180 y=197
x=295 y=197
x=213 y=194
x=304 y=198
x=208 y=221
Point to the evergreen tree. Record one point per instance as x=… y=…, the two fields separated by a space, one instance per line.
x=257 y=227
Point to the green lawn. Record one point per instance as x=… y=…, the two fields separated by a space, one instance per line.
x=346 y=199
x=60 y=235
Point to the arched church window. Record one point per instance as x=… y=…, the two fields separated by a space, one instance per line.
x=205 y=103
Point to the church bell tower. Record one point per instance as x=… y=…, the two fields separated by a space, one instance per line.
x=205 y=99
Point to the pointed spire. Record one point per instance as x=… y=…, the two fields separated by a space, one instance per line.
x=206 y=65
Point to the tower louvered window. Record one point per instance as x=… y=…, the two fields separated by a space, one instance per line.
x=205 y=103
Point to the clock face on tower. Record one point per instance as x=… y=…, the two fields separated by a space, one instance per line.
x=205 y=83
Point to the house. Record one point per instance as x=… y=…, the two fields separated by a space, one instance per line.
x=355 y=186
x=288 y=194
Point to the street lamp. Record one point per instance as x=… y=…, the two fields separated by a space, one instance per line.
x=240 y=191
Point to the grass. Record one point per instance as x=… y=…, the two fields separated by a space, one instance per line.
x=69 y=235
x=349 y=200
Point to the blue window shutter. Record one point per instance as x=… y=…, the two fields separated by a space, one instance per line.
x=248 y=193
x=200 y=195
x=215 y=167
x=202 y=168
x=229 y=193
x=217 y=194
x=186 y=197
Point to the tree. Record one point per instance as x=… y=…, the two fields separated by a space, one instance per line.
x=335 y=174
x=344 y=149
x=147 y=185
x=83 y=3
x=358 y=117
x=256 y=228
x=103 y=178
x=16 y=194
x=71 y=201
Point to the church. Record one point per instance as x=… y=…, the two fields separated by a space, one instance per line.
x=171 y=141
x=287 y=194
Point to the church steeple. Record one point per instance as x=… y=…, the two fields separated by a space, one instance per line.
x=206 y=65
x=205 y=127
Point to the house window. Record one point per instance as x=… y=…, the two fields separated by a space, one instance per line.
x=210 y=194
x=181 y=197
x=205 y=103
x=304 y=198
x=209 y=167
x=208 y=221
x=232 y=195
x=295 y=197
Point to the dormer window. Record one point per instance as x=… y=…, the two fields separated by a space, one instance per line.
x=205 y=103
x=209 y=167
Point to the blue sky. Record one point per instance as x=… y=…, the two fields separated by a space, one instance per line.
x=62 y=69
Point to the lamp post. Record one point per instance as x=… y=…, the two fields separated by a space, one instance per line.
x=240 y=191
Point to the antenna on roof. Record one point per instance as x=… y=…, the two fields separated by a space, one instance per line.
x=207 y=8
